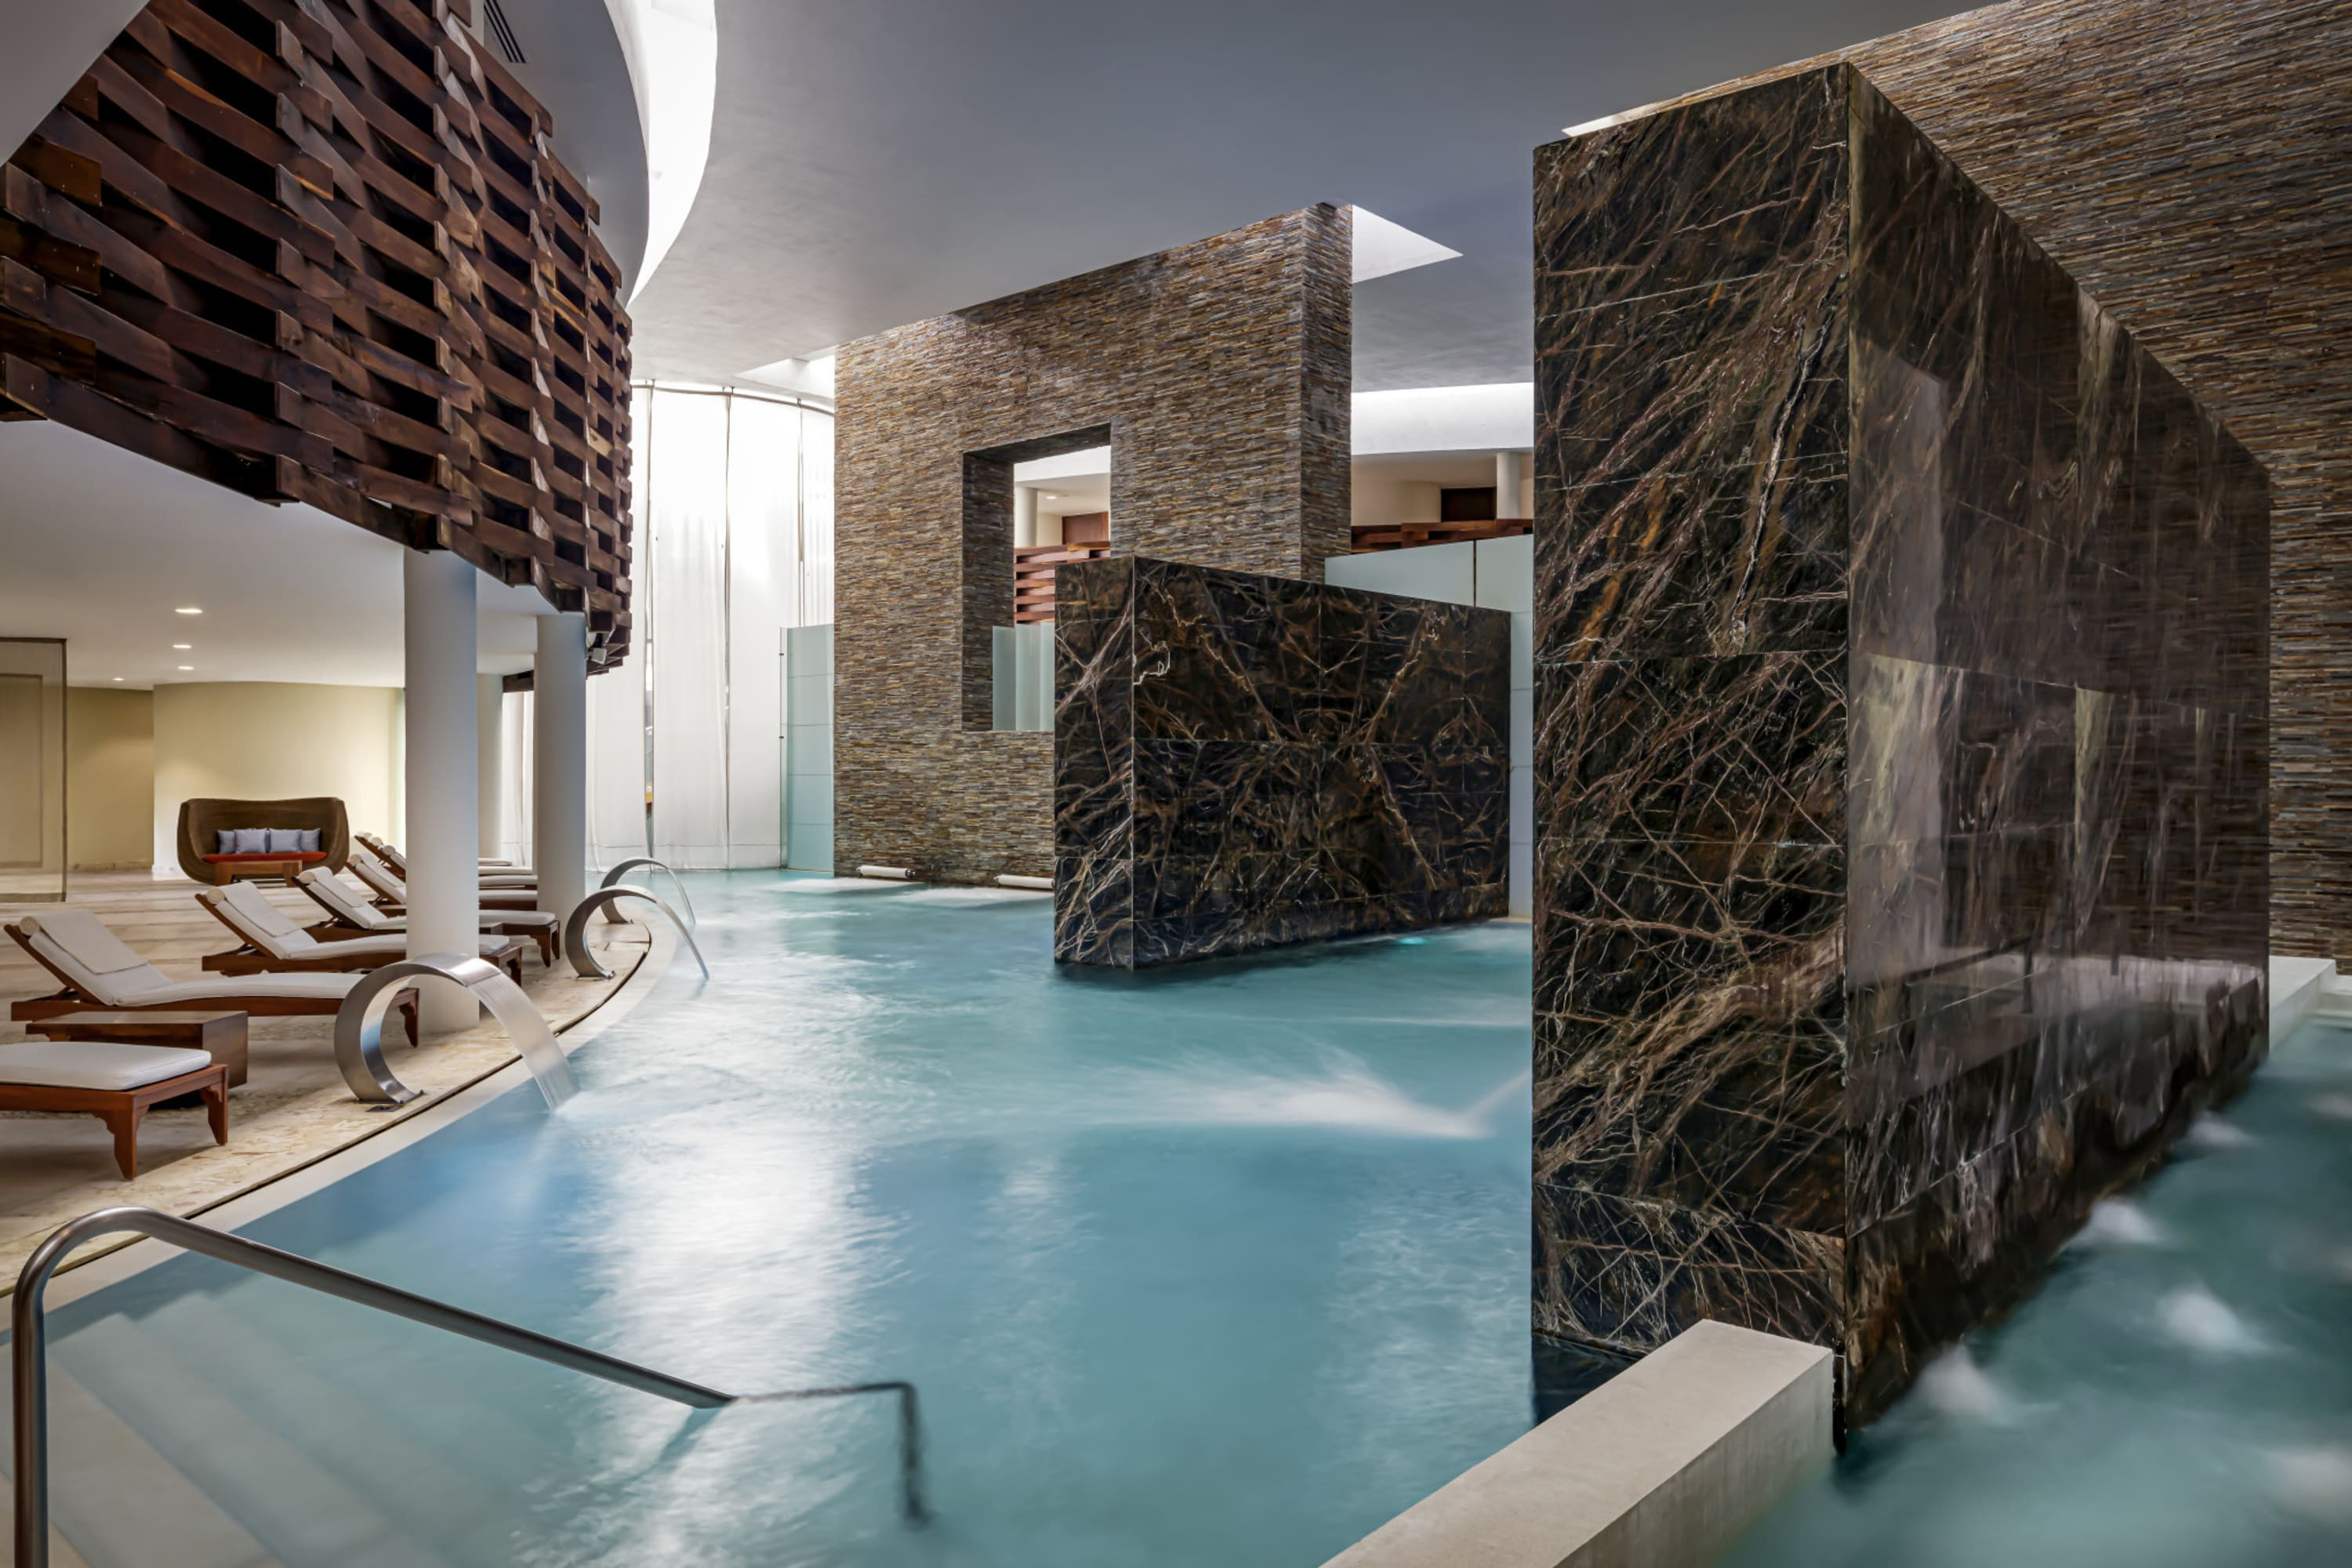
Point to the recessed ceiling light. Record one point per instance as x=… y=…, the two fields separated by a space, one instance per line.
x=1050 y=496
x=187 y=667
x=118 y=680
x=188 y=610
x=182 y=647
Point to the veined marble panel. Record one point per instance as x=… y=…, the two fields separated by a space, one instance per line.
x=1241 y=762
x=1902 y=737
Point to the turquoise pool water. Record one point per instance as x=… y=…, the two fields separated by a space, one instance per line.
x=2178 y=1393
x=1223 y=1265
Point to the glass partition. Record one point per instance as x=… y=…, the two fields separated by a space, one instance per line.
x=1023 y=676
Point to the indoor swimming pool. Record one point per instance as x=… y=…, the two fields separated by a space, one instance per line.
x=2177 y=1395
x=1226 y=1264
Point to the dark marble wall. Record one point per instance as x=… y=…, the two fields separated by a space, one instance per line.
x=1901 y=757
x=1243 y=762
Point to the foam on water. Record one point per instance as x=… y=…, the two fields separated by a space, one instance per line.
x=958 y=896
x=1343 y=1095
x=2211 y=1133
x=2118 y=1222
x=2314 y=1482
x=2194 y=1317
x=2334 y=1106
x=828 y=886
x=1954 y=1385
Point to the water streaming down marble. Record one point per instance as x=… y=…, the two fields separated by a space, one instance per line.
x=1901 y=737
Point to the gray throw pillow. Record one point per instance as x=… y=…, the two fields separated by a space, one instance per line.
x=309 y=845
x=283 y=841
x=227 y=841
x=249 y=841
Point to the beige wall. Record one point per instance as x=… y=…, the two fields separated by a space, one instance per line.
x=110 y=779
x=271 y=741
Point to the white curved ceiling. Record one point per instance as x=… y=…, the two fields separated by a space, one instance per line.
x=877 y=162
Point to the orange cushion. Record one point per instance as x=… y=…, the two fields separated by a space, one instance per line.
x=288 y=855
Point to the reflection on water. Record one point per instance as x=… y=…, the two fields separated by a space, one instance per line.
x=2179 y=1392
x=1224 y=1265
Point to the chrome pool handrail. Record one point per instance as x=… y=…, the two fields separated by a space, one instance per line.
x=613 y=879
x=29 y=1351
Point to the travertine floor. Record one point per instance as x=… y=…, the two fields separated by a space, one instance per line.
x=293 y=1109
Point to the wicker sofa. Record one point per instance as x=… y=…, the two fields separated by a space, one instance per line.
x=201 y=821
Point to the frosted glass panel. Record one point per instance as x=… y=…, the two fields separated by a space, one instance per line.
x=1020 y=687
x=808 y=748
x=1445 y=571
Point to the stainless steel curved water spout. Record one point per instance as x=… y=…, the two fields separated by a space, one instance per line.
x=613 y=879
x=359 y=1026
x=28 y=1352
x=575 y=929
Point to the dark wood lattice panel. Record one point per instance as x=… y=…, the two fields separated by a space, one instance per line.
x=319 y=250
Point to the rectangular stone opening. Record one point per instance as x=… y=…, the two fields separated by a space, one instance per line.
x=988 y=574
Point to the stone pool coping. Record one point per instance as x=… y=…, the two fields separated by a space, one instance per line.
x=1667 y=1463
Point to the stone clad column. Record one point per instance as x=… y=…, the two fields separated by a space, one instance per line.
x=559 y=763
x=444 y=803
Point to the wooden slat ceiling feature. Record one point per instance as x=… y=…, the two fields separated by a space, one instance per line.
x=318 y=251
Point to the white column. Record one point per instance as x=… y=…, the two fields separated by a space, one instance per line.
x=559 y=761
x=491 y=759
x=1510 y=500
x=1025 y=515
x=444 y=883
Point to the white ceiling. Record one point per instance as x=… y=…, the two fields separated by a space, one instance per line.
x=878 y=162
x=101 y=546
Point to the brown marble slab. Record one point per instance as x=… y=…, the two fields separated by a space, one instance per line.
x=1902 y=737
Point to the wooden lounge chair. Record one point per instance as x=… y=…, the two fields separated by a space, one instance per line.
x=492 y=873
x=99 y=974
x=275 y=943
x=352 y=915
x=391 y=894
x=115 y=1082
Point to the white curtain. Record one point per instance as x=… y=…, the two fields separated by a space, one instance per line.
x=733 y=503
x=816 y=518
x=763 y=505
x=514 y=798
x=617 y=719
x=686 y=654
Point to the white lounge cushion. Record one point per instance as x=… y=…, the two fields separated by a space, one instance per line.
x=259 y=921
x=384 y=884
x=335 y=896
x=95 y=1064
x=93 y=960
x=310 y=987
x=393 y=946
